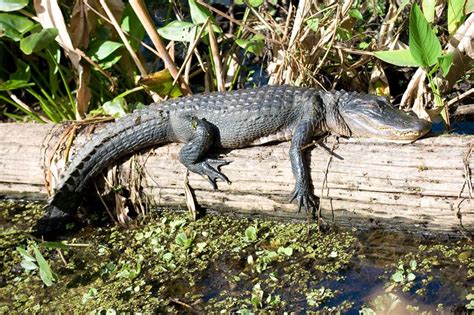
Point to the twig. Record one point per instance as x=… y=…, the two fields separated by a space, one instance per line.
x=460 y=97
x=103 y=17
x=190 y=51
x=219 y=12
x=325 y=181
x=140 y=10
x=119 y=31
x=468 y=183
x=72 y=133
x=216 y=58
x=26 y=107
x=62 y=256
x=105 y=204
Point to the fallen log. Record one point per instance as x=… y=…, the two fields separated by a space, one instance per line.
x=424 y=186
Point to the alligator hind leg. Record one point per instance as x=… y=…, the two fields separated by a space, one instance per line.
x=192 y=155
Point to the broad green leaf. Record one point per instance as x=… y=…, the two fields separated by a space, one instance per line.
x=161 y=82
x=469 y=7
x=455 y=14
x=109 y=61
x=24 y=254
x=424 y=45
x=116 y=107
x=28 y=265
x=398 y=276
x=411 y=277
x=179 y=31
x=12 y=5
x=413 y=264
x=429 y=9
x=445 y=63
x=313 y=24
x=356 y=14
x=287 y=251
x=14 y=26
x=99 y=50
x=401 y=57
x=199 y=14
x=45 y=271
x=22 y=72
x=183 y=240
x=254 y=45
x=132 y=25
x=14 y=84
x=18 y=79
x=251 y=233
x=38 y=41
x=255 y=3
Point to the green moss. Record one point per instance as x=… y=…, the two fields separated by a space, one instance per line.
x=168 y=263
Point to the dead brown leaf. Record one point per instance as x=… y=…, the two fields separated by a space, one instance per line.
x=82 y=24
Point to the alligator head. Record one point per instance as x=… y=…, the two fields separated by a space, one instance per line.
x=371 y=116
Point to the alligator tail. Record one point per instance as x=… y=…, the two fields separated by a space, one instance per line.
x=142 y=129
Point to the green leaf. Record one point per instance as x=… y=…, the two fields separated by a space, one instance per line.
x=12 y=5
x=116 y=107
x=54 y=245
x=18 y=79
x=22 y=72
x=183 y=240
x=132 y=25
x=429 y=9
x=28 y=265
x=199 y=14
x=424 y=45
x=38 y=41
x=255 y=3
x=398 y=277
x=413 y=264
x=411 y=277
x=45 y=271
x=254 y=45
x=287 y=251
x=251 y=233
x=100 y=50
x=469 y=7
x=14 y=84
x=179 y=31
x=313 y=24
x=401 y=57
x=167 y=256
x=24 y=253
x=161 y=82
x=356 y=14
x=455 y=14
x=14 y=26
x=445 y=63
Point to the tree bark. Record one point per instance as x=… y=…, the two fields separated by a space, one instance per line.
x=424 y=186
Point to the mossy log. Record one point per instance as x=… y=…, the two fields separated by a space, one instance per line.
x=423 y=186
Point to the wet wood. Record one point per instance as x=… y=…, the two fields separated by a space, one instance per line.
x=418 y=187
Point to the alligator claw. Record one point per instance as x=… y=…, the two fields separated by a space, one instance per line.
x=304 y=199
x=210 y=170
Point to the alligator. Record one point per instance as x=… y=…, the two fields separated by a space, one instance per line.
x=232 y=120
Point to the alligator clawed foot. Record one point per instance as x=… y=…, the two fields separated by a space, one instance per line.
x=304 y=199
x=210 y=170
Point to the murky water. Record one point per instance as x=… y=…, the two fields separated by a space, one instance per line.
x=171 y=264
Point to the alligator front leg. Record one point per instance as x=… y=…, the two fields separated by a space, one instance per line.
x=192 y=155
x=302 y=136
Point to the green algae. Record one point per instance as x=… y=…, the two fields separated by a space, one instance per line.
x=168 y=263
